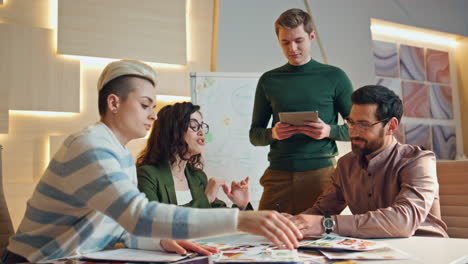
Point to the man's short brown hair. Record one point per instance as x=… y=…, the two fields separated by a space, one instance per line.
x=293 y=18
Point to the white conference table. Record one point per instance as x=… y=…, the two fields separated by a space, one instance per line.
x=428 y=250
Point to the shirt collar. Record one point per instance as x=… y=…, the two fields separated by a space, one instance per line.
x=379 y=158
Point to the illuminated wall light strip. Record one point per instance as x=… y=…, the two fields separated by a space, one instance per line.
x=53 y=15
x=413 y=35
x=42 y=113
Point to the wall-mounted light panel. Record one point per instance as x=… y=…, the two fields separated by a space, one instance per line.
x=37 y=79
x=151 y=30
x=395 y=30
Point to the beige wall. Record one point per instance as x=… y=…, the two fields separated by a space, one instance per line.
x=26 y=146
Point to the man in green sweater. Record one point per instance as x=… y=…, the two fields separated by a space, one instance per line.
x=302 y=158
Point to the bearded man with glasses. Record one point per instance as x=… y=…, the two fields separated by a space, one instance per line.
x=391 y=188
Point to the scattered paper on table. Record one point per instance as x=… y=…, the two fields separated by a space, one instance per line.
x=257 y=256
x=343 y=243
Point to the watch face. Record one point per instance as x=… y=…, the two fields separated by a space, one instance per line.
x=328 y=223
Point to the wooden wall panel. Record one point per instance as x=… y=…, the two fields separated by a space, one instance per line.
x=3 y=117
x=17 y=195
x=33 y=13
x=152 y=30
x=3 y=91
x=3 y=105
x=38 y=79
x=201 y=34
x=18 y=159
x=55 y=144
x=173 y=82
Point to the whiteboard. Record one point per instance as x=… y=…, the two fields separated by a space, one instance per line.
x=226 y=101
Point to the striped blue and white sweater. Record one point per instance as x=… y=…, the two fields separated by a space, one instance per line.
x=88 y=199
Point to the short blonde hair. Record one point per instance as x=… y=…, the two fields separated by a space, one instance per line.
x=115 y=77
x=126 y=67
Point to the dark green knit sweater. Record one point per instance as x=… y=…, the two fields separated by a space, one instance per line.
x=309 y=87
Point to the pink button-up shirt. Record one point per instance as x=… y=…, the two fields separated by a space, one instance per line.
x=394 y=194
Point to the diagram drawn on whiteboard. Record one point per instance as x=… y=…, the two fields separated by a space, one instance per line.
x=226 y=101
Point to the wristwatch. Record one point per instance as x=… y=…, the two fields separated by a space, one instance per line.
x=328 y=224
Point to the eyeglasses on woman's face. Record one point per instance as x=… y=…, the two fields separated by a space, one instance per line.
x=362 y=125
x=196 y=126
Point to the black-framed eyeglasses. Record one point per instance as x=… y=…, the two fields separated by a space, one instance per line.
x=362 y=125
x=195 y=126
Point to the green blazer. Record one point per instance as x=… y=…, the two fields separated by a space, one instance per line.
x=157 y=183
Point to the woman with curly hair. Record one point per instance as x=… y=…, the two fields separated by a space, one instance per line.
x=170 y=168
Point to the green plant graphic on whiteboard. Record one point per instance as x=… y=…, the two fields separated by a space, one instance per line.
x=208 y=138
x=202 y=86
